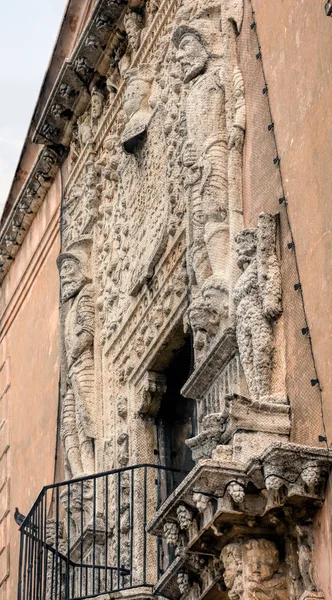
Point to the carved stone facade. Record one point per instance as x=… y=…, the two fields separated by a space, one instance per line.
x=155 y=246
x=175 y=318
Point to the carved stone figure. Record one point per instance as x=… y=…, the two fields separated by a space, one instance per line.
x=257 y=297
x=97 y=103
x=171 y=533
x=185 y=516
x=136 y=105
x=261 y=564
x=204 y=154
x=78 y=419
x=201 y=500
x=183 y=582
x=231 y=557
x=133 y=23
x=206 y=312
x=122 y=407
x=123 y=449
x=236 y=491
x=306 y=567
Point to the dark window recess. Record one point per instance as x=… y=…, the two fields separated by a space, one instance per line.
x=176 y=420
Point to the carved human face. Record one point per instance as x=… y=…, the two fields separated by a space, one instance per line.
x=231 y=571
x=246 y=249
x=71 y=278
x=192 y=56
x=260 y=563
x=96 y=105
x=136 y=93
x=217 y=298
x=122 y=407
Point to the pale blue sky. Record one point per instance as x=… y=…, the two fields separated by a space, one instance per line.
x=28 y=30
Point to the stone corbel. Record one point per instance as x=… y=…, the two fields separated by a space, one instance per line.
x=26 y=206
x=70 y=96
x=151 y=392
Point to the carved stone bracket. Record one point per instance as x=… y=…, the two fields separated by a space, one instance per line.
x=26 y=206
x=70 y=96
x=151 y=393
x=267 y=503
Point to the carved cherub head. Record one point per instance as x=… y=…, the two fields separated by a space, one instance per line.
x=201 y=500
x=261 y=559
x=231 y=557
x=311 y=476
x=246 y=247
x=97 y=102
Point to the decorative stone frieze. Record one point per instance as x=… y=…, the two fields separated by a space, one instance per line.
x=26 y=206
x=70 y=95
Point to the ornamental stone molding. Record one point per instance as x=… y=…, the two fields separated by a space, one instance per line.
x=245 y=514
x=27 y=205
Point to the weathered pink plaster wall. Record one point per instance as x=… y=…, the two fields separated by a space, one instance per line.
x=295 y=37
x=29 y=375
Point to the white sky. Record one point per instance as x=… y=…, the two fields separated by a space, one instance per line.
x=28 y=30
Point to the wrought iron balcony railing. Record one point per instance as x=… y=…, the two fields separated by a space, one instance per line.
x=87 y=537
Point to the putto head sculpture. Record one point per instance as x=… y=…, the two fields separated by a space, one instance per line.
x=261 y=562
x=97 y=102
x=231 y=558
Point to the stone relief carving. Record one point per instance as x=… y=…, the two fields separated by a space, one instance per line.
x=137 y=105
x=231 y=557
x=154 y=387
x=78 y=421
x=185 y=516
x=204 y=154
x=257 y=297
x=261 y=565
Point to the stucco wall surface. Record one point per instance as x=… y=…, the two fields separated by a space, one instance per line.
x=29 y=375
x=295 y=37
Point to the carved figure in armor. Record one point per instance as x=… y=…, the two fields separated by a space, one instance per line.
x=204 y=153
x=261 y=564
x=78 y=422
x=136 y=105
x=257 y=297
x=231 y=557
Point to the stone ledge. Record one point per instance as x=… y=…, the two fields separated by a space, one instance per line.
x=208 y=370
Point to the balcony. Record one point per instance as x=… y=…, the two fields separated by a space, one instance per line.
x=87 y=537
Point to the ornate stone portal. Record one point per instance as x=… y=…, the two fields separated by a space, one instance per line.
x=154 y=246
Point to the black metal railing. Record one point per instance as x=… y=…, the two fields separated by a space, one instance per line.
x=86 y=537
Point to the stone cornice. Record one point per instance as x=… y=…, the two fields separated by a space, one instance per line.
x=69 y=97
x=67 y=101
x=26 y=206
